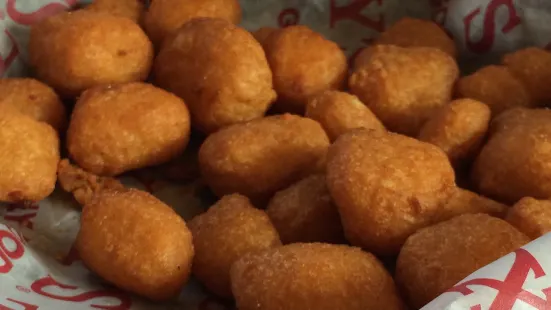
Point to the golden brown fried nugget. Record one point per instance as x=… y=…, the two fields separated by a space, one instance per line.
x=34 y=99
x=495 y=86
x=131 y=9
x=531 y=216
x=77 y=50
x=166 y=16
x=411 y=32
x=458 y=129
x=404 y=86
x=262 y=34
x=514 y=162
x=386 y=186
x=532 y=66
x=220 y=71
x=136 y=242
x=463 y=201
x=339 y=112
x=123 y=127
x=305 y=212
x=262 y=156
x=308 y=276
x=29 y=153
x=435 y=258
x=304 y=64
x=228 y=230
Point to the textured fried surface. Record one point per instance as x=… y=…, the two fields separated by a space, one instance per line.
x=514 y=163
x=404 y=86
x=262 y=156
x=132 y=9
x=458 y=128
x=136 y=242
x=435 y=258
x=313 y=276
x=220 y=71
x=533 y=67
x=339 y=112
x=386 y=186
x=77 y=50
x=463 y=201
x=304 y=64
x=34 y=99
x=305 y=212
x=166 y=16
x=228 y=230
x=531 y=216
x=495 y=86
x=29 y=153
x=411 y=32
x=123 y=127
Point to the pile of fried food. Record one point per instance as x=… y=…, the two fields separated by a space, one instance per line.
x=316 y=185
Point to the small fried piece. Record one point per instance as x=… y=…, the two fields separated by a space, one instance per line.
x=339 y=112
x=464 y=201
x=532 y=66
x=304 y=64
x=131 y=9
x=317 y=276
x=404 y=86
x=227 y=231
x=495 y=86
x=412 y=32
x=263 y=33
x=386 y=186
x=305 y=212
x=458 y=129
x=34 y=99
x=531 y=216
x=435 y=258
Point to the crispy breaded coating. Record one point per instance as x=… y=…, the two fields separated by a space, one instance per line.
x=458 y=128
x=136 y=242
x=339 y=112
x=29 y=153
x=228 y=230
x=304 y=64
x=33 y=98
x=219 y=70
x=77 y=50
x=532 y=66
x=308 y=276
x=305 y=212
x=262 y=156
x=404 y=86
x=263 y=33
x=463 y=201
x=531 y=216
x=131 y=9
x=165 y=16
x=412 y=32
x=435 y=258
x=386 y=186
x=495 y=86
x=122 y=127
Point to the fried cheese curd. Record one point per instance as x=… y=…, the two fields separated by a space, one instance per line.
x=532 y=66
x=219 y=70
x=338 y=112
x=262 y=156
x=33 y=98
x=305 y=212
x=165 y=16
x=304 y=64
x=531 y=216
x=29 y=154
x=514 y=162
x=463 y=201
x=386 y=186
x=435 y=258
x=458 y=128
x=131 y=9
x=495 y=86
x=412 y=32
x=227 y=231
x=317 y=276
x=122 y=127
x=136 y=242
x=404 y=86
x=74 y=51
x=263 y=33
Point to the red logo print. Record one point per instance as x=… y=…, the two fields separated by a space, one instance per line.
x=30 y=18
x=489 y=24
x=9 y=251
x=21 y=214
x=353 y=11
x=288 y=17
x=24 y=304
x=510 y=290
x=6 y=62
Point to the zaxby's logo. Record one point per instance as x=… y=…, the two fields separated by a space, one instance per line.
x=11 y=249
